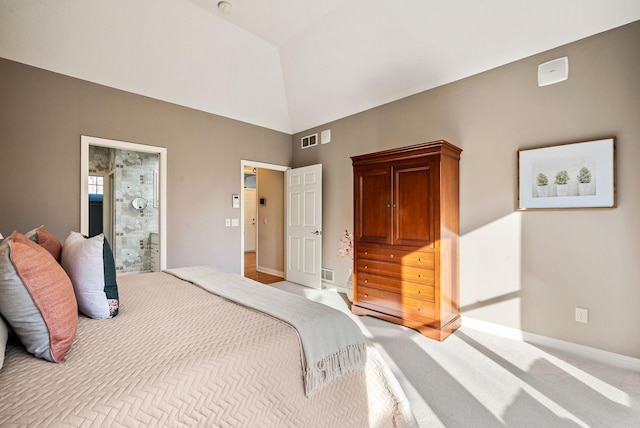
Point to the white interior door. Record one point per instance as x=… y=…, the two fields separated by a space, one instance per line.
x=250 y=214
x=303 y=198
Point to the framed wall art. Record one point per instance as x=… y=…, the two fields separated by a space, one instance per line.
x=574 y=175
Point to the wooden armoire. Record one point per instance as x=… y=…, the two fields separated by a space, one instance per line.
x=406 y=237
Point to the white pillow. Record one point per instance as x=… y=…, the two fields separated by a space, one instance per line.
x=82 y=260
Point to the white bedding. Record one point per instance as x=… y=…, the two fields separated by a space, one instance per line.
x=332 y=343
x=177 y=355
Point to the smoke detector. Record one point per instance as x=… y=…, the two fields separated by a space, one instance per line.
x=224 y=6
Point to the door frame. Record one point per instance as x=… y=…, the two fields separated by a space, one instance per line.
x=85 y=142
x=243 y=164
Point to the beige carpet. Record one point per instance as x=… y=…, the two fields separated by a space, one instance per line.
x=476 y=379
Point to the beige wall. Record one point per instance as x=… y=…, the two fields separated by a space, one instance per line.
x=42 y=116
x=271 y=233
x=526 y=270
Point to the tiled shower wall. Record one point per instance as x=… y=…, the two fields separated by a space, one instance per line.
x=135 y=175
x=134 y=178
x=101 y=160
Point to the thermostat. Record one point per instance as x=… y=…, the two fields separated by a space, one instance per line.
x=235 y=201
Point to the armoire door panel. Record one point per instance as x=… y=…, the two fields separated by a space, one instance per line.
x=373 y=205
x=413 y=206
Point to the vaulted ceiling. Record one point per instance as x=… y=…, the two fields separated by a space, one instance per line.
x=290 y=65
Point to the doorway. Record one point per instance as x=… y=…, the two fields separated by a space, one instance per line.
x=129 y=185
x=296 y=240
x=262 y=221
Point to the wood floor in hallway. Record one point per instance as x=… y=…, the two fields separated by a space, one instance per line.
x=250 y=270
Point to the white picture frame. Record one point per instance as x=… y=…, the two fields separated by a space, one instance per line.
x=578 y=175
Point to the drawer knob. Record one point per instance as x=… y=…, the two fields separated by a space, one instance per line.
x=391 y=256
x=420 y=275
x=366 y=295
x=366 y=266
x=366 y=280
x=419 y=309
x=419 y=291
x=366 y=252
x=420 y=259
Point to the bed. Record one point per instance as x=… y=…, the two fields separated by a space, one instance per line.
x=179 y=355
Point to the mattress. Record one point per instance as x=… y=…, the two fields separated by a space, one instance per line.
x=177 y=355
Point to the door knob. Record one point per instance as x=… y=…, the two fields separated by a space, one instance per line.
x=317 y=232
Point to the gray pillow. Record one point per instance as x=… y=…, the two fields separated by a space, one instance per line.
x=36 y=298
x=4 y=336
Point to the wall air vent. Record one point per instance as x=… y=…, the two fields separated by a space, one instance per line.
x=309 y=141
x=553 y=71
x=327 y=275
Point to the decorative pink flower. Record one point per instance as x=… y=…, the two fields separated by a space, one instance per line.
x=346 y=245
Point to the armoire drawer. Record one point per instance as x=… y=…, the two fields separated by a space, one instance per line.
x=396 y=271
x=395 y=285
x=395 y=304
x=392 y=255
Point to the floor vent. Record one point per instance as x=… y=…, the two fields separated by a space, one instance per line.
x=327 y=275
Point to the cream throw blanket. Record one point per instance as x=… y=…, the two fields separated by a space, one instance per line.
x=332 y=343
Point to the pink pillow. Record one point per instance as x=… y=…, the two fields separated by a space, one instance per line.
x=36 y=298
x=46 y=240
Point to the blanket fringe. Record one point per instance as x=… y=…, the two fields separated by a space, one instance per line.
x=348 y=359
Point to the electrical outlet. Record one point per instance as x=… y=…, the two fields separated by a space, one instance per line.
x=227 y=222
x=582 y=315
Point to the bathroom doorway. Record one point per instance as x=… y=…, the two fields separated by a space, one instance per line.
x=123 y=197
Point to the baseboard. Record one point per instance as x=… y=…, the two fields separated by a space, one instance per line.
x=338 y=288
x=605 y=357
x=270 y=271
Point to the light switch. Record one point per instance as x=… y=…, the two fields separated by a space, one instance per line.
x=265 y=220
x=235 y=222
x=227 y=222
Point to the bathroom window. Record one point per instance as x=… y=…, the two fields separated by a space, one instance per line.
x=96 y=185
